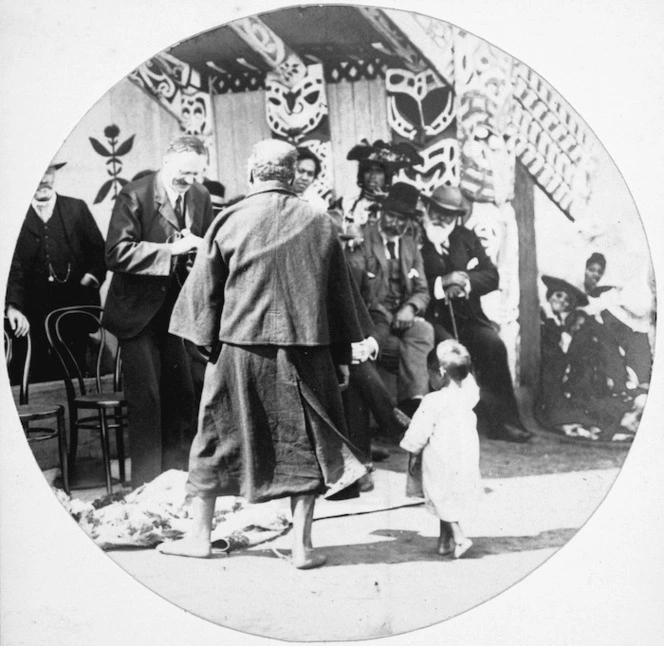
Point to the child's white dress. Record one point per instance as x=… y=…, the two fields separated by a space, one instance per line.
x=444 y=428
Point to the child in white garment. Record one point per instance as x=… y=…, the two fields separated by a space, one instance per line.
x=444 y=430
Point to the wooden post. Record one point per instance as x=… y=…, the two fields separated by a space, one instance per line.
x=529 y=347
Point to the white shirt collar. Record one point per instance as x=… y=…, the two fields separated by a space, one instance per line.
x=44 y=209
x=394 y=239
x=173 y=196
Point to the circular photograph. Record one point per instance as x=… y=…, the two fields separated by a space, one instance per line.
x=330 y=323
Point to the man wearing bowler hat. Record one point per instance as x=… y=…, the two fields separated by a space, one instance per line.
x=399 y=294
x=459 y=272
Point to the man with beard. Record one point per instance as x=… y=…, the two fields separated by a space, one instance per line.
x=459 y=272
x=270 y=297
x=399 y=295
x=156 y=225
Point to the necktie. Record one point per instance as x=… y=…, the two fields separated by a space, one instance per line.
x=179 y=212
x=391 y=250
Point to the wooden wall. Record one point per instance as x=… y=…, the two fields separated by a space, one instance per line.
x=356 y=110
x=239 y=122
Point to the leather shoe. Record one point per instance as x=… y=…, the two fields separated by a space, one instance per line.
x=510 y=433
x=402 y=419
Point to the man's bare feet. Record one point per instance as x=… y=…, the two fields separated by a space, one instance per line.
x=192 y=547
x=308 y=559
x=445 y=546
x=461 y=548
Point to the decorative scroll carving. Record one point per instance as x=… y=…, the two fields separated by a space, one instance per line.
x=483 y=82
x=552 y=142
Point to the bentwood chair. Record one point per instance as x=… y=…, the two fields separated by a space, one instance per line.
x=98 y=411
x=31 y=414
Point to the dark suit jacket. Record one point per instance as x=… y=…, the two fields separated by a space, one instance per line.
x=271 y=271
x=412 y=271
x=138 y=251
x=466 y=254
x=86 y=250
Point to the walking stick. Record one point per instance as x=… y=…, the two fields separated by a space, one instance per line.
x=451 y=309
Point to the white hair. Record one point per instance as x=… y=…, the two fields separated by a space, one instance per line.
x=273 y=159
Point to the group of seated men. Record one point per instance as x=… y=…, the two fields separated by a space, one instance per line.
x=421 y=274
x=418 y=270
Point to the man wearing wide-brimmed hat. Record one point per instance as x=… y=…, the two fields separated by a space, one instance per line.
x=58 y=262
x=399 y=294
x=459 y=272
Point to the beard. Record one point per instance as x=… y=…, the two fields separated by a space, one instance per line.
x=436 y=233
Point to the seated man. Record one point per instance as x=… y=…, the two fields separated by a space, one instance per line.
x=399 y=295
x=459 y=272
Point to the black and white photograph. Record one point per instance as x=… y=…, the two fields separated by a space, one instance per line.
x=330 y=322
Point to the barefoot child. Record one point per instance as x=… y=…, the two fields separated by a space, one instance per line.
x=444 y=430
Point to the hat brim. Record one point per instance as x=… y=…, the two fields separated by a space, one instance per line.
x=558 y=284
x=56 y=166
x=459 y=209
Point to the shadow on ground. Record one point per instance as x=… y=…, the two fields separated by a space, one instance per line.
x=407 y=546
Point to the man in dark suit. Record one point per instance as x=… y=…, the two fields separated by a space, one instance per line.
x=399 y=295
x=156 y=226
x=460 y=272
x=58 y=262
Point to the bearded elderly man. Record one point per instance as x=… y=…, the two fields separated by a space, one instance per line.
x=271 y=296
x=156 y=225
x=459 y=272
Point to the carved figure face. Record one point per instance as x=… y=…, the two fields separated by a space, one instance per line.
x=294 y=111
x=420 y=106
x=194 y=113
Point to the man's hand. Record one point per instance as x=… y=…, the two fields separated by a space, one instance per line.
x=89 y=280
x=456 y=284
x=185 y=244
x=404 y=318
x=364 y=350
x=344 y=373
x=455 y=291
x=413 y=462
x=18 y=322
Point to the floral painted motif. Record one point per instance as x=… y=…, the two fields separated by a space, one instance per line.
x=113 y=160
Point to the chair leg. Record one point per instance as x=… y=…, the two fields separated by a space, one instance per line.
x=73 y=439
x=119 y=441
x=106 y=454
x=62 y=449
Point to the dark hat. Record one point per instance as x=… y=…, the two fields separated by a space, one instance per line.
x=392 y=157
x=217 y=192
x=554 y=284
x=402 y=199
x=449 y=198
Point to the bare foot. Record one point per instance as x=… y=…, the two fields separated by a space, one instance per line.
x=445 y=547
x=308 y=560
x=461 y=548
x=192 y=547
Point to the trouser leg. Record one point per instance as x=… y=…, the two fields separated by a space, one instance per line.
x=177 y=398
x=489 y=356
x=415 y=344
x=141 y=369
